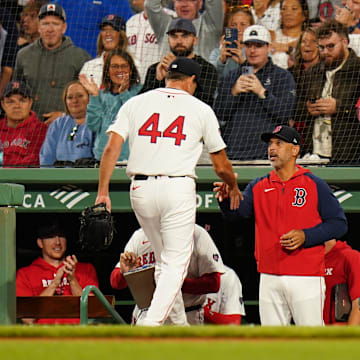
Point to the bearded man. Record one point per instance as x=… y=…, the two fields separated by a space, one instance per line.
x=327 y=98
x=182 y=39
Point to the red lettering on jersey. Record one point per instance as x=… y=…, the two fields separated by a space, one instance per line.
x=152 y=258
x=150 y=38
x=150 y=128
x=178 y=135
x=210 y=303
x=145 y=259
x=132 y=39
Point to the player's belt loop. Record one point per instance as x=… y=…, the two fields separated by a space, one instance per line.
x=140 y=177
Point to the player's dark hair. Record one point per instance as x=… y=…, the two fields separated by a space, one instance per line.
x=134 y=74
x=327 y=28
x=176 y=76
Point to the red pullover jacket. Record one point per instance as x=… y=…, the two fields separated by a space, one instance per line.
x=304 y=202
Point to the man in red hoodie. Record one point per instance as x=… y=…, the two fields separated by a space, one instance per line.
x=54 y=273
x=21 y=133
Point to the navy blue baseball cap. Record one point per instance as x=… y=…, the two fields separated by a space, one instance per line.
x=285 y=133
x=116 y=21
x=17 y=87
x=185 y=66
x=180 y=24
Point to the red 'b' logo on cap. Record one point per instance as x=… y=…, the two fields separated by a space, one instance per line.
x=15 y=85
x=110 y=17
x=277 y=129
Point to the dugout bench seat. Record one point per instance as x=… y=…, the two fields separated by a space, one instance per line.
x=67 y=307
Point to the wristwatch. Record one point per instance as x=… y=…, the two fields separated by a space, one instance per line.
x=264 y=95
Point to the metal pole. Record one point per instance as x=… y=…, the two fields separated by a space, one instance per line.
x=10 y=194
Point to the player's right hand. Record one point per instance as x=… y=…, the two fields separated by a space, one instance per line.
x=104 y=199
x=221 y=190
x=128 y=261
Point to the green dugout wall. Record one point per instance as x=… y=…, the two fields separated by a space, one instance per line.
x=71 y=190
x=66 y=192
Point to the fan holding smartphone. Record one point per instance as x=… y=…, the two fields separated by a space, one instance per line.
x=231 y=52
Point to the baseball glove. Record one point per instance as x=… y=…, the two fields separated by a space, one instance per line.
x=96 y=228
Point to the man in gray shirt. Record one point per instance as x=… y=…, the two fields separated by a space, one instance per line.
x=208 y=24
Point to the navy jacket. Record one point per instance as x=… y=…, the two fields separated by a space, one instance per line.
x=246 y=116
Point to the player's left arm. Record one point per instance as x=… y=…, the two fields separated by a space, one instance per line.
x=108 y=160
x=333 y=224
x=204 y=284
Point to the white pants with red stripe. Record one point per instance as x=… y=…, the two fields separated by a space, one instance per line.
x=282 y=298
x=165 y=208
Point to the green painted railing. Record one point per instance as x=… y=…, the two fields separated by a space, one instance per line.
x=84 y=305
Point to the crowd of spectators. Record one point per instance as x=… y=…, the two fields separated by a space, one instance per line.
x=47 y=45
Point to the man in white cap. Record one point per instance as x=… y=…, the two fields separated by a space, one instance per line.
x=254 y=97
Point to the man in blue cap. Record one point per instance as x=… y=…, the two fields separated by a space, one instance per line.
x=295 y=214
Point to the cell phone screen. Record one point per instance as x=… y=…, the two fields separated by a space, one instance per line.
x=247 y=70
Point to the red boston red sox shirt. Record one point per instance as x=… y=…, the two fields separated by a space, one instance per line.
x=32 y=280
x=342 y=265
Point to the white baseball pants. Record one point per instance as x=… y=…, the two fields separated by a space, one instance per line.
x=165 y=208
x=282 y=298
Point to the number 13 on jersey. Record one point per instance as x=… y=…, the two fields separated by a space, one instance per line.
x=174 y=130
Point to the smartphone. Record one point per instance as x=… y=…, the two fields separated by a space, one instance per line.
x=313 y=100
x=247 y=70
x=231 y=34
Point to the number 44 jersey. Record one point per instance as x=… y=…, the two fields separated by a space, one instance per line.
x=167 y=129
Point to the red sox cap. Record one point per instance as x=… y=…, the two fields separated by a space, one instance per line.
x=285 y=133
x=17 y=87
x=116 y=21
x=52 y=9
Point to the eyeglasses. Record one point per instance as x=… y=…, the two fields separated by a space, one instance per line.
x=73 y=132
x=329 y=47
x=119 y=67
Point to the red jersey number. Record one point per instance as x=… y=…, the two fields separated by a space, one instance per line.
x=174 y=130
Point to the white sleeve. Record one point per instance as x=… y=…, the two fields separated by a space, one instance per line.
x=212 y=136
x=208 y=256
x=231 y=294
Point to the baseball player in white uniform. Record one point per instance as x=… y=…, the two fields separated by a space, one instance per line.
x=203 y=275
x=166 y=129
x=227 y=305
x=142 y=42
